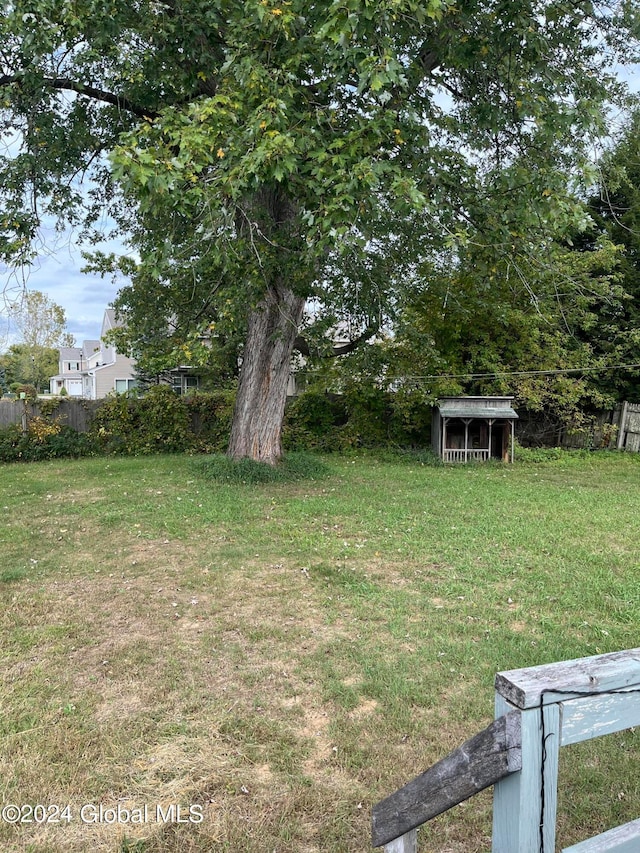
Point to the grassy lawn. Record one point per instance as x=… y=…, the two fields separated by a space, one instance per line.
x=282 y=656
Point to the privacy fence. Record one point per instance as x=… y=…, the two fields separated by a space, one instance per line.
x=538 y=710
x=76 y=414
x=618 y=428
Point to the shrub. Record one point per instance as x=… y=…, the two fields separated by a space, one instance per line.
x=155 y=423
x=29 y=391
x=42 y=441
x=538 y=455
x=312 y=421
x=163 y=422
x=211 y=415
x=363 y=416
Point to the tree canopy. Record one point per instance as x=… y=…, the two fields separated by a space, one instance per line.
x=616 y=213
x=265 y=153
x=534 y=327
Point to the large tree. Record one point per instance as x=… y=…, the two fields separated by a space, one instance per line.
x=265 y=153
x=22 y=365
x=40 y=328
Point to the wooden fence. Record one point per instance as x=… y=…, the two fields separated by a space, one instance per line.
x=629 y=428
x=538 y=710
x=74 y=413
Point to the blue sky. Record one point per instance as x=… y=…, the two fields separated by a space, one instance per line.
x=57 y=273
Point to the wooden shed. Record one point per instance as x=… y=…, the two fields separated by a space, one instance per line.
x=479 y=428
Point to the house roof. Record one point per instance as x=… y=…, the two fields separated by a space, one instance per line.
x=111 y=320
x=70 y=353
x=89 y=348
x=477 y=407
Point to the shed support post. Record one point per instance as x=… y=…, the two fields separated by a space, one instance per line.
x=525 y=803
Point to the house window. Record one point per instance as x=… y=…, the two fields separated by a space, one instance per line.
x=73 y=365
x=183 y=384
x=124 y=385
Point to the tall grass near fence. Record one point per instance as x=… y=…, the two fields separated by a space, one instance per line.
x=284 y=655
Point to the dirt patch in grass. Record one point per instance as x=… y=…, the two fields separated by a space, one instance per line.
x=171 y=690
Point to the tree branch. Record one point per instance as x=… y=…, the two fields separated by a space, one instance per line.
x=301 y=344
x=66 y=84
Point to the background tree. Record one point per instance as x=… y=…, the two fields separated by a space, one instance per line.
x=40 y=326
x=264 y=154
x=530 y=325
x=23 y=365
x=616 y=213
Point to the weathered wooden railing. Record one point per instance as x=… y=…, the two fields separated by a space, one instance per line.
x=538 y=710
x=461 y=455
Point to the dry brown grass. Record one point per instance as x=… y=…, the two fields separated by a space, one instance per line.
x=160 y=693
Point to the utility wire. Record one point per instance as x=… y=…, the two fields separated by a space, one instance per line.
x=558 y=372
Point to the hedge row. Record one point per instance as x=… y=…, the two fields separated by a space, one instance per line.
x=162 y=422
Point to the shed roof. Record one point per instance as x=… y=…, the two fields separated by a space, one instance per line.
x=477 y=407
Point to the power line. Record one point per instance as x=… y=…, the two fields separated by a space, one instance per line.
x=497 y=374
x=558 y=372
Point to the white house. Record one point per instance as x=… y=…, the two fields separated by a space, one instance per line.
x=95 y=369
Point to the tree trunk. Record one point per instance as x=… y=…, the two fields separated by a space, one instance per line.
x=256 y=429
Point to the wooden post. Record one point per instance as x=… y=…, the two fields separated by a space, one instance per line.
x=560 y=703
x=522 y=822
x=24 y=418
x=444 y=438
x=407 y=844
x=538 y=710
x=622 y=424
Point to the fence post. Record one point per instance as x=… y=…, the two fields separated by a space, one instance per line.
x=538 y=710
x=560 y=703
x=524 y=809
x=622 y=425
x=408 y=843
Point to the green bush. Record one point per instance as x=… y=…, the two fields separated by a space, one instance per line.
x=539 y=455
x=313 y=420
x=211 y=415
x=163 y=422
x=38 y=444
x=29 y=391
x=363 y=416
x=155 y=423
